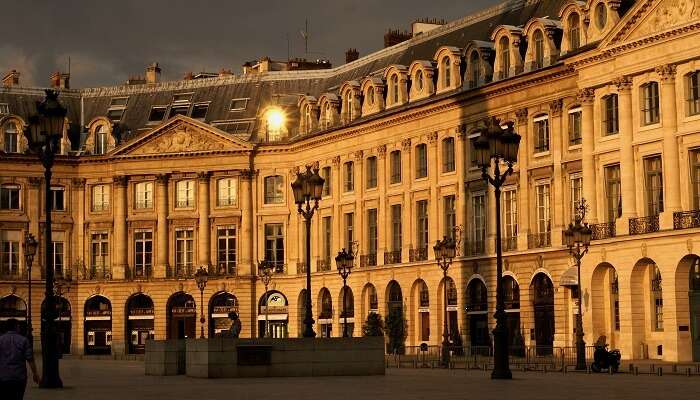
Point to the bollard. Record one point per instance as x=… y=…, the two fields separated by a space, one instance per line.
x=636 y=371
x=659 y=371
x=674 y=368
x=631 y=367
x=610 y=371
x=687 y=372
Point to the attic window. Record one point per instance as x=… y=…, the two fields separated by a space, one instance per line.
x=182 y=98
x=4 y=108
x=199 y=111
x=178 y=110
x=117 y=106
x=157 y=113
x=239 y=104
x=118 y=102
x=234 y=126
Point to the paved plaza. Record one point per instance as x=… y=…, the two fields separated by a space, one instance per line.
x=125 y=380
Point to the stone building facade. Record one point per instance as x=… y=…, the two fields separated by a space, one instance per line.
x=159 y=178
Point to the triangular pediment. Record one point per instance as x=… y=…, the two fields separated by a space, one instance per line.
x=181 y=135
x=652 y=17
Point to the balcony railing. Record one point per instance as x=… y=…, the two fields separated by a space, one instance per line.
x=223 y=269
x=686 y=219
x=301 y=267
x=392 y=257
x=368 y=260
x=604 y=230
x=58 y=273
x=181 y=271
x=323 y=265
x=97 y=272
x=419 y=254
x=144 y=272
x=642 y=225
x=13 y=275
x=475 y=247
x=539 y=240
x=143 y=204
x=509 y=243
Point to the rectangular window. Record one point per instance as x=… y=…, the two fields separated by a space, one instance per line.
x=421 y=161
x=182 y=98
x=233 y=126
x=9 y=258
x=541 y=126
x=326 y=175
x=58 y=198
x=117 y=106
x=472 y=151
x=510 y=218
x=693 y=93
x=239 y=104
x=574 y=126
x=199 y=110
x=327 y=238
x=144 y=195
x=226 y=192
x=450 y=216
x=610 y=115
x=695 y=174
x=9 y=197
x=478 y=223
x=576 y=192
x=99 y=260
x=371 y=172
x=184 y=251
x=349 y=230
x=395 y=166
x=543 y=211
x=372 y=231
x=422 y=224
x=274 y=244
x=349 y=180
x=11 y=137
x=57 y=254
x=649 y=99
x=396 y=227
x=157 y=114
x=654 y=185
x=100 y=198
x=613 y=193
x=185 y=194
x=181 y=109
x=448 y=155
x=226 y=250
x=274 y=191
x=143 y=253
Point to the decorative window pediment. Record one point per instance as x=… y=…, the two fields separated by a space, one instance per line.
x=449 y=61
x=509 y=55
x=372 y=95
x=479 y=56
x=308 y=114
x=422 y=75
x=396 y=77
x=543 y=37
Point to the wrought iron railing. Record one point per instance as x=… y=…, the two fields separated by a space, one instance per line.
x=181 y=271
x=509 y=243
x=603 y=230
x=301 y=267
x=368 y=260
x=686 y=219
x=642 y=225
x=323 y=265
x=144 y=272
x=539 y=240
x=97 y=272
x=392 y=257
x=475 y=247
x=224 y=269
x=419 y=254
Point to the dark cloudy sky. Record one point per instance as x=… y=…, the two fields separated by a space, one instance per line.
x=109 y=40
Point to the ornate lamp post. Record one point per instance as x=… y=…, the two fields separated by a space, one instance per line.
x=445 y=250
x=577 y=238
x=30 y=244
x=44 y=133
x=344 y=261
x=496 y=145
x=201 y=277
x=308 y=189
x=265 y=271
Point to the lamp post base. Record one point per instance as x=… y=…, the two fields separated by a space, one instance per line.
x=580 y=353
x=308 y=330
x=501 y=365
x=445 y=353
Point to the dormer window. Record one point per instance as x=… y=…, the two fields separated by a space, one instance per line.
x=418 y=80
x=199 y=110
x=475 y=69
x=394 y=89
x=538 y=38
x=117 y=106
x=239 y=104
x=349 y=106
x=504 y=51
x=157 y=114
x=446 y=71
x=370 y=96
x=574 y=31
x=11 y=138
x=601 y=15
x=327 y=118
x=101 y=139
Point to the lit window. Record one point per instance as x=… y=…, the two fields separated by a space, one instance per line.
x=11 y=138
x=226 y=188
x=100 y=198
x=274 y=193
x=144 y=195
x=185 y=194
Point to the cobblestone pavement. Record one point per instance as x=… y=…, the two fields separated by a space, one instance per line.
x=125 y=380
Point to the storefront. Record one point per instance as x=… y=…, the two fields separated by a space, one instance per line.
x=275 y=313
x=182 y=316
x=220 y=306
x=98 y=325
x=139 y=323
x=12 y=307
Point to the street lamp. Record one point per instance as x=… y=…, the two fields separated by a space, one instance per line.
x=577 y=238
x=308 y=189
x=445 y=250
x=265 y=271
x=496 y=145
x=201 y=277
x=44 y=132
x=344 y=261
x=30 y=244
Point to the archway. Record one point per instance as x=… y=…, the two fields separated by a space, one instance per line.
x=511 y=300
x=647 y=310
x=694 y=302
x=182 y=316
x=605 y=304
x=370 y=302
x=420 y=312
x=452 y=325
x=477 y=314
x=13 y=307
x=347 y=296
x=220 y=305
x=394 y=298
x=325 y=314
x=542 y=291
x=395 y=320
x=98 y=325
x=275 y=312
x=139 y=322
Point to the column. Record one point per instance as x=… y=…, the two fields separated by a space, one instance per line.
x=161 y=267
x=33 y=205
x=76 y=241
x=629 y=205
x=246 y=235
x=120 y=237
x=524 y=184
x=204 y=244
x=558 y=187
x=406 y=213
x=671 y=166
x=434 y=220
x=382 y=182
x=461 y=200
x=360 y=183
x=336 y=193
x=586 y=97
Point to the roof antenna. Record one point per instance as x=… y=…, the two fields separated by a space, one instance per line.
x=68 y=65
x=305 y=35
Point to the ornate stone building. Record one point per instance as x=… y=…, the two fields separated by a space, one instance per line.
x=158 y=178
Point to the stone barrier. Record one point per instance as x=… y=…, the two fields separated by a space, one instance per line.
x=165 y=357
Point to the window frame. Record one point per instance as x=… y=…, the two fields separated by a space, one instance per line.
x=348 y=176
x=448 y=155
x=245 y=101
x=6 y=196
x=610 y=115
x=653 y=184
x=231 y=192
x=10 y=146
x=55 y=189
x=104 y=196
x=142 y=200
x=612 y=180
x=229 y=251
x=189 y=192
x=273 y=186
x=422 y=224
x=692 y=93
x=540 y=127
x=649 y=104
x=421 y=158
x=575 y=121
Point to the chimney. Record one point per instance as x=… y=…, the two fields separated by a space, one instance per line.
x=188 y=76
x=153 y=73
x=136 y=80
x=225 y=72
x=351 y=55
x=59 y=80
x=395 y=36
x=11 y=79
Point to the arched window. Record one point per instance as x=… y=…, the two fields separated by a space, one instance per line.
x=370 y=96
x=348 y=104
x=475 y=69
x=601 y=15
x=447 y=72
x=477 y=299
x=307 y=115
x=419 y=80
x=504 y=48
x=327 y=119
x=574 y=31
x=539 y=49
x=395 y=89
x=11 y=138
x=101 y=140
